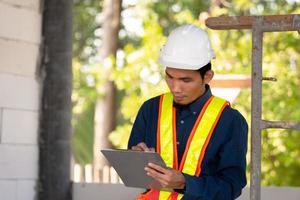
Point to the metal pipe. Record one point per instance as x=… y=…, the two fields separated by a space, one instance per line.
x=256 y=98
x=269 y=79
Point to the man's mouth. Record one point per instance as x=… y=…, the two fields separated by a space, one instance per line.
x=178 y=98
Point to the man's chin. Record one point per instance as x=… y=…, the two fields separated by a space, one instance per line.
x=180 y=102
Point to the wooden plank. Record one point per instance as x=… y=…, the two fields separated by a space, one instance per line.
x=270 y=22
x=226 y=22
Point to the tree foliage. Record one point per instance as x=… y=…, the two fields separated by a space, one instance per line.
x=86 y=28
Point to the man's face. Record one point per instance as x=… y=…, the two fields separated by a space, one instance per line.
x=185 y=85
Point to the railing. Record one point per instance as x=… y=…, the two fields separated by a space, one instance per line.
x=85 y=174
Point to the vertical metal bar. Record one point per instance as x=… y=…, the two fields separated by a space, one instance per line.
x=256 y=100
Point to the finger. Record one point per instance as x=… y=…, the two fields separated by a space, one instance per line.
x=136 y=148
x=154 y=174
x=157 y=176
x=158 y=168
x=143 y=146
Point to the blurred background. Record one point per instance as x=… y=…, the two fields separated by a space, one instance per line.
x=131 y=74
x=73 y=75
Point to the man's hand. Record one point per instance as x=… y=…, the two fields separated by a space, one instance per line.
x=142 y=147
x=168 y=178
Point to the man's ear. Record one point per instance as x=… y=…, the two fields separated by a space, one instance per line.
x=208 y=76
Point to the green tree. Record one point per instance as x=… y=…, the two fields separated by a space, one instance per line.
x=86 y=29
x=86 y=39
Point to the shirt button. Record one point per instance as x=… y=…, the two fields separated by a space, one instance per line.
x=177 y=143
x=194 y=113
x=182 y=122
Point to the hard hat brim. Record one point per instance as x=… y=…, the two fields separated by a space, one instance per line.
x=191 y=64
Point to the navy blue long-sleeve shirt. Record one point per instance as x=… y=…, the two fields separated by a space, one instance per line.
x=224 y=164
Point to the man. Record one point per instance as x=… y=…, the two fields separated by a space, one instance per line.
x=200 y=137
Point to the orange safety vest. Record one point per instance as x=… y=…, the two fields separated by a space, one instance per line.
x=196 y=144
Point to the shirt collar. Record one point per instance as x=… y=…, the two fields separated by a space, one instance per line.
x=197 y=105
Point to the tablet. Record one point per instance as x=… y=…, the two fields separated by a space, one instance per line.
x=130 y=166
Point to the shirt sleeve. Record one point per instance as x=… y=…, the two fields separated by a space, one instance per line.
x=230 y=178
x=137 y=134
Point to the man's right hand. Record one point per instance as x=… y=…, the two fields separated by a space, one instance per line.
x=142 y=147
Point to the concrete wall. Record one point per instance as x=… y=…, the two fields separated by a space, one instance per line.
x=20 y=37
x=94 y=191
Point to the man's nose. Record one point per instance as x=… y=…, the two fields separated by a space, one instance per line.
x=176 y=87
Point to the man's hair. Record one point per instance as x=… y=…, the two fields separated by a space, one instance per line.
x=204 y=69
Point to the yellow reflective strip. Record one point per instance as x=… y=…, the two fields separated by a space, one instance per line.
x=179 y=196
x=166 y=132
x=201 y=133
x=164 y=195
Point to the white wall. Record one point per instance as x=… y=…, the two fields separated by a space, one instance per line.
x=20 y=36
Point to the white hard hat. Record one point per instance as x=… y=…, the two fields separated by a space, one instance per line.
x=187 y=47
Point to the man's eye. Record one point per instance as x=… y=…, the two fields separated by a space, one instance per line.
x=186 y=80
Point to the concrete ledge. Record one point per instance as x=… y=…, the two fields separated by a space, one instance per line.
x=96 y=191
x=274 y=193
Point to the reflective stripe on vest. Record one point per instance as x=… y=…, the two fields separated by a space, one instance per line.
x=197 y=142
x=200 y=135
x=166 y=127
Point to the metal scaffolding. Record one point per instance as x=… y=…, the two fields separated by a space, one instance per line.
x=258 y=25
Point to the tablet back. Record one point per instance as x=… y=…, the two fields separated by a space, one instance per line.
x=130 y=166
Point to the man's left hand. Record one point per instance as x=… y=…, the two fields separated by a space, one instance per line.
x=168 y=178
